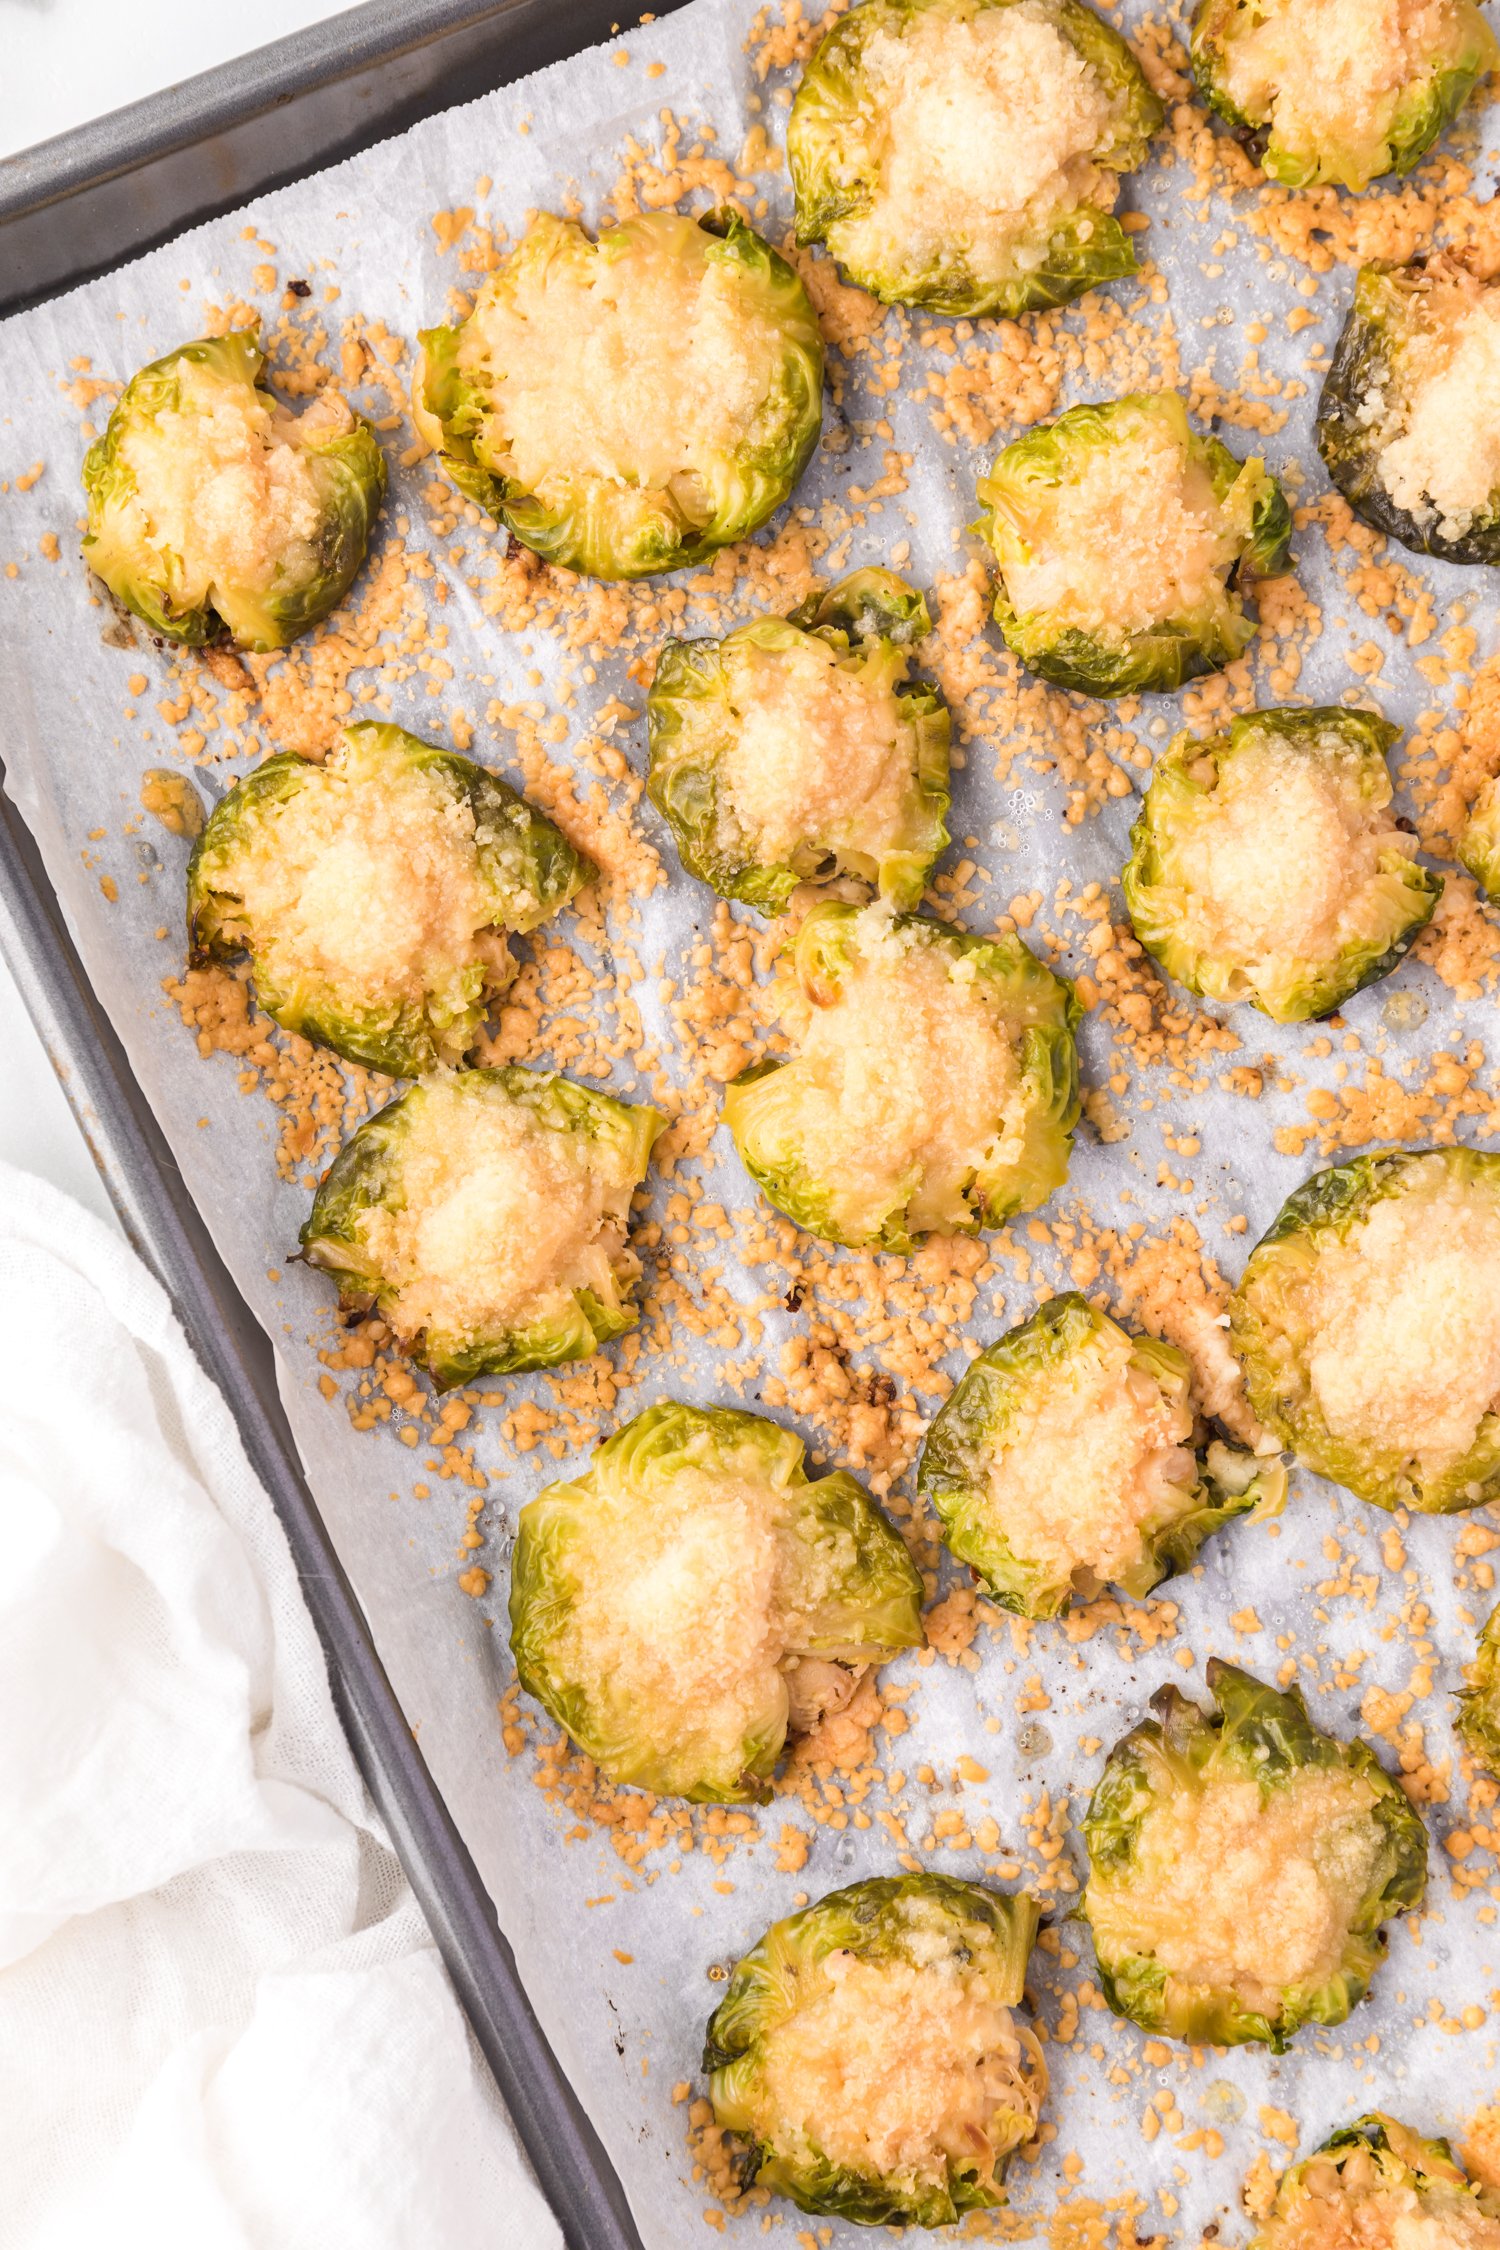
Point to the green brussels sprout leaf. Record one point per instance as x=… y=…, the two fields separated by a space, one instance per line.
x=693 y=1597
x=213 y=510
x=799 y=747
x=935 y=1088
x=1266 y=865
x=1479 y=845
x=1242 y=1863
x=1119 y=535
x=965 y=155
x=1368 y=1323
x=1376 y=2181
x=1071 y=1457
x=868 y=2055
x=627 y=406
x=373 y=893
x=1478 y=1720
x=484 y=1216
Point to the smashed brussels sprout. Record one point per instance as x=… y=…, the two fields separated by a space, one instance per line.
x=1368 y=1322
x=692 y=1599
x=1379 y=2185
x=1479 y=845
x=1478 y=1719
x=798 y=747
x=935 y=1087
x=213 y=509
x=483 y=1215
x=1409 y=417
x=1119 y=535
x=1071 y=1457
x=1339 y=91
x=869 y=2057
x=628 y=405
x=1241 y=1866
x=1266 y=866
x=373 y=893
x=965 y=155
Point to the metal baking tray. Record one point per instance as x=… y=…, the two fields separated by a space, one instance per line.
x=71 y=208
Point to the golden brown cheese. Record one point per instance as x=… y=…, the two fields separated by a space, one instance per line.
x=894 y=2067
x=1098 y=1458
x=496 y=1221
x=1441 y=461
x=643 y=369
x=1243 y=1893
x=367 y=879
x=1406 y=1318
x=985 y=127
x=821 y=754
x=907 y=1074
x=1134 y=537
x=1331 y=73
x=1277 y=864
x=226 y=484
x=1352 y=2205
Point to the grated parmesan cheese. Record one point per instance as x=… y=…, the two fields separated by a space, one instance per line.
x=1278 y=863
x=1405 y=1316
x=1098 y=1458
x=983 y=132
x=1330 y=74
x=821 y=754
x=642 y=365
x=1243 y=1892
x=494 y=1221
x=1134 y=537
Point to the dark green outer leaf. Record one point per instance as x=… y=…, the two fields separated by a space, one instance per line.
x=1478 y=1701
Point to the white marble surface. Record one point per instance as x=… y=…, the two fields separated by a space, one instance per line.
x=65 y=62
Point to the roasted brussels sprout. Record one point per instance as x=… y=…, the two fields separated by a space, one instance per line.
x=798 y=747
x=213 y=509
x=1266 y=866
x=1478 y=1719
x=1381 y=2186
x=869 y=2056
x=373 y=893
x=1368 y=1321
x=1339 y=91
x=1065 y=1462
x=692 y=1598
x=1119 y=534
x=935 y=1089
x=965 y=155
x=1479 y=845
x=483 y=1215
x=1241 y=1865
x=628 y=405
x=1410 y=408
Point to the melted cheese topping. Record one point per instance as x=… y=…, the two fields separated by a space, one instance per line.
x=1405 y=1320
x=494 y=1222
x=1133 y=538
x=1352 y=2205
x=689 y=1615
x=821 y=755
x=644 y=368
x=913 y=1084
x=1097 y=1457
x=1442 y=459
x=1241 y=1894
x=1278 y=862
x=366 y=880
x=224 y=485
x=1329 y=74
x=888 y=2067
x=984 y=135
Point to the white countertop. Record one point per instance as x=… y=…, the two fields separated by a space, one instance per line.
x=65 y=62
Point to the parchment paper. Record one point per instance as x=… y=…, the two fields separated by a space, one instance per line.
x=624 y=1988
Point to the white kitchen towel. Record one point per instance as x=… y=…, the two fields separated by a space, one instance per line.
x=223 y=2023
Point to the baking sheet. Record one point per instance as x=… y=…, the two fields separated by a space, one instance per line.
x=623 y=1960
